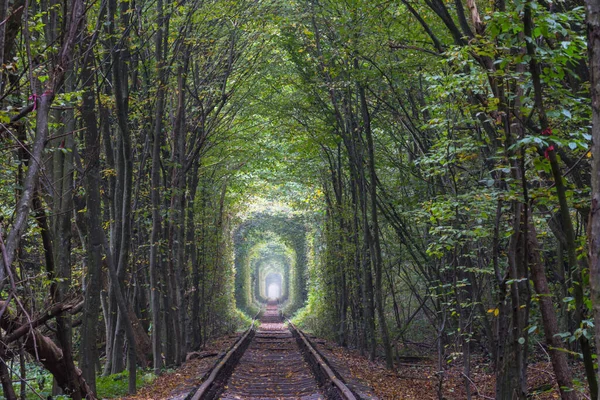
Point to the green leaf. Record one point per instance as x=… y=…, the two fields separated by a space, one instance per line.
x=532 y=329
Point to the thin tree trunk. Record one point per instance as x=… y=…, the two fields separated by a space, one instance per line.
x=24 y=204
x=155 y=198
x=122 y=305
x=23 y=368
x=177 y=216
x=557 y=352
x=194 y=334
x=3 y=15
x=7 y=387
x=63 y=207
x=89 y=329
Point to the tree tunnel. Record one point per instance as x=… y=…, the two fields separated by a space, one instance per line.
x=270 y=261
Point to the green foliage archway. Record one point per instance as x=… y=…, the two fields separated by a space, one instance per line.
x=261 y=232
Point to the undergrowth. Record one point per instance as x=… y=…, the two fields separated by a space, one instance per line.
x=40 y=384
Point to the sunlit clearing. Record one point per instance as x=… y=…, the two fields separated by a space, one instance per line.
x=273 y=291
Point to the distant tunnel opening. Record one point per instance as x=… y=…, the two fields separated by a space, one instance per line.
x=273 y=285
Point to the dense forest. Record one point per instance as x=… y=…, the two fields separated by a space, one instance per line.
x=412 y=176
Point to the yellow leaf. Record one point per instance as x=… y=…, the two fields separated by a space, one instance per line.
x=494 y=310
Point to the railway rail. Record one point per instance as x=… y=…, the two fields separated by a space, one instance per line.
x=271 y=362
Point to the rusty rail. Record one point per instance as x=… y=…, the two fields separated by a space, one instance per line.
x=210 y=387
x=333 y=385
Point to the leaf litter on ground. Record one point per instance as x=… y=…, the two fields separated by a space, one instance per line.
x=177 y=383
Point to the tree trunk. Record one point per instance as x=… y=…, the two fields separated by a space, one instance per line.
x=511 y=362
x=195 y=334
x=177 y=216
x=62 y=209
x=3 y=15
x=593 y=25
x=7 y=386
x=89 y=329
x=376 y=248
x=122 y=306
x=29 y=185
x=557 y=352
x=155 y=292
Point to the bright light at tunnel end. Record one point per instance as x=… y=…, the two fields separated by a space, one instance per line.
x=273 y=291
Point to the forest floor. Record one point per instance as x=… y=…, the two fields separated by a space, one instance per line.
x=411 y=381
x=419 y=381
x=178 y=383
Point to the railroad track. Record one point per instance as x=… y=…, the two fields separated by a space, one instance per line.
x=272 y=362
